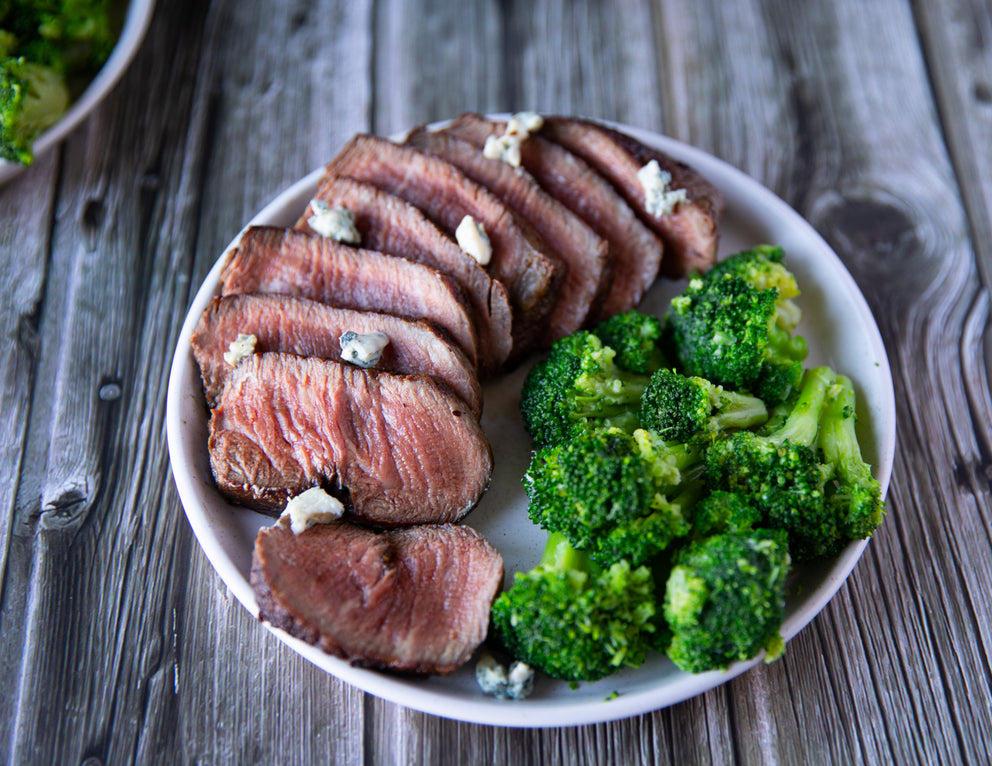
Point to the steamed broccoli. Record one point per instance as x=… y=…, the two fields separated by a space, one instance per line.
x=82 y=30
x=763 y=267
x=47 y=49
x=722 y=511
x=636 y=337
x=32 y=98
x=678 y=407
x=612 y=494
x=574 y=620
x=854 y=494
x=578 y=387
x=734 y=332
x=782 y=474
x=725 y=599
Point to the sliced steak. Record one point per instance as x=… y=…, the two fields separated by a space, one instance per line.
x=307 y=328
x=532 y=277
x=404 y=449
x=288 y=262
x=690 y=230
x=584 y=253
x=413 y=600
x=394 y=226
x=569 y=179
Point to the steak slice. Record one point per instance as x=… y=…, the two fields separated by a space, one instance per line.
x=307 y=328
x=532 y=277
x=404 y=449
x=394 y=226
x=690 y=230
x=584 y=253
x=288 y=262
x=569 y=179
x=413 y=600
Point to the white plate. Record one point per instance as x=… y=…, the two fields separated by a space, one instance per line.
x=839 y=328
x=139 y=12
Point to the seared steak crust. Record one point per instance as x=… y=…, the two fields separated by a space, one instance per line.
x=690 y=231
x=307 y=328
x=583 y=190
x=288 y=262
x=412 y=600
x=394 y=226
x=403 y=449
x=584 y=253
x=531 y=276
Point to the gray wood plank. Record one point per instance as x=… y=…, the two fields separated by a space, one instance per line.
x=960 y=66
x=433 y=61
x=77 y=593
x=586 y=58
x=291 y=83
x=25 y=215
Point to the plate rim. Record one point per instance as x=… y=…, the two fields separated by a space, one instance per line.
x=417 y=693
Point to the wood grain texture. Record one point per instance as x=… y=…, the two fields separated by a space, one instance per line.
x=121 y=644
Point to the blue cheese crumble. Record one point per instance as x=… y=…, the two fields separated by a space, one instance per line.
x=363 y=349
x=659 y=199
x=242 y=347
x=337 y=223
x=494 y=679
x=314 y=506
x=472 y=239
x=491 y=676
x=507 y=146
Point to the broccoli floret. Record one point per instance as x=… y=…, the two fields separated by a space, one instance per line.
x=576 y=388
x=727 y=329
x=574 y=620
x=612 y=494
x=678 y=407
x=722 y=511
x=47 y=48
x=782 y=474
x=854 y=493
x=8 y=42
x=725 y=599
x=636 y=337
x=764 y=267
x=32 y=97
x=82 y=30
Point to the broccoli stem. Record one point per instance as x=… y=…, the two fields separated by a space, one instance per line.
x=559 y=554
x=607 y=397
x=837 y=435
x=803 y=422
x=733 y=410
x=841 y=450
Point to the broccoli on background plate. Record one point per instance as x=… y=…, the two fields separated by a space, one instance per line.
x=49 y=51
x=32 y=98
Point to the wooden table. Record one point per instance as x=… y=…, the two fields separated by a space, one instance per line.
x=874 y=120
